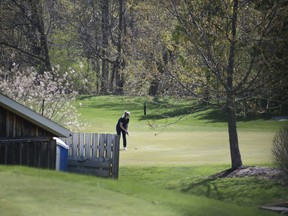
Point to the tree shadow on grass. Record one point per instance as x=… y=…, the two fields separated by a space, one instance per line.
x=219 y=115
x=209 y=184
x=163 y=110
x=175 y=112
x=115 y=106
x=213 y=116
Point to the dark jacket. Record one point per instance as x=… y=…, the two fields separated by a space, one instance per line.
x=124 y=122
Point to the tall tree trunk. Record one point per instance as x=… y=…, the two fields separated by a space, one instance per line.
x=37 y=10
x=33 y=40
x=206 y=96
x=96 y=59
x=236 y=160
x=112 y=77
x=105 y=36
x=154 y=85
x=104 y=78
x=96 y=63
x=232 y=129
x=119 y=60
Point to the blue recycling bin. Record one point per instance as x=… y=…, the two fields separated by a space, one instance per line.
x=61 y=155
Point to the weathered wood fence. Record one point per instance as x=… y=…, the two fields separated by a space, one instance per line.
x=94 y=154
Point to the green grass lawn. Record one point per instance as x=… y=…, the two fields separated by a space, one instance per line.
x=177 y=144
x=187 y=137
x=27 y=191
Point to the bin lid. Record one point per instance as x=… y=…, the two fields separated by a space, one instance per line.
x=60 y=142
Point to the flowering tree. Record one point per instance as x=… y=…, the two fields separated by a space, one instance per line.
x=50 y=94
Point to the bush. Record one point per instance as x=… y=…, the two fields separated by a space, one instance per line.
x=280 y=151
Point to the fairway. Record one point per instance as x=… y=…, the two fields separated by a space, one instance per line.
x=199 y=138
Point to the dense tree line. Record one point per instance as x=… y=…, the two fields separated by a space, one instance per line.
x=229 y=53
x=154 y=47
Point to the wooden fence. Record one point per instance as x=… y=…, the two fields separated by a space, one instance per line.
x=94 y=154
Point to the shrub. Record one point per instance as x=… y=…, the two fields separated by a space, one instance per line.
x=280 y=151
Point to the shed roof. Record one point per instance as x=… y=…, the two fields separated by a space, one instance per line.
x=33 y=117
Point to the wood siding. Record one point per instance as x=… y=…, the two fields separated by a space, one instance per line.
x=39 y=153
x=13 y=126
x=23 y=143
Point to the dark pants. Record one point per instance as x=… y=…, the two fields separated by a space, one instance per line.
x=119 y=131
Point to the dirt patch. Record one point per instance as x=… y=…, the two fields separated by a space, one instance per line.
x=258 y=172
x=281 y=208
x=251 y=171
x=280 y=118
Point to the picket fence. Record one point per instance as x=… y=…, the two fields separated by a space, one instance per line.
x=93 y=154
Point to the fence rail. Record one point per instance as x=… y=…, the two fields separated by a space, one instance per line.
x=94 y=154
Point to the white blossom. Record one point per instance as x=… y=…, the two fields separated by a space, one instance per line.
x=29 y=88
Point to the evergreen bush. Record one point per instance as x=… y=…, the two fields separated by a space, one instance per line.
x=280 y=151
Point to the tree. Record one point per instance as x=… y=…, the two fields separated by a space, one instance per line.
x=274 y=50
x=100 y=27
x=149 y=28
x=120 y=62
x=104 y=49
x=280 y=151
x=224 y=40
x=23 y=34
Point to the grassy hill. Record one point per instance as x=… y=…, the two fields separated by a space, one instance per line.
x=27 y=191
x=176 y=146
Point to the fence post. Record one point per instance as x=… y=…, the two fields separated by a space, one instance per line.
x=88 y=150
x=81 y=145
x=75 y=141
x=95 y=142
x=115 y=157
x=102 y=140
x=109 y=144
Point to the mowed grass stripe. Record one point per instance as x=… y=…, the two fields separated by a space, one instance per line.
x=38 y=194
x=194 y=148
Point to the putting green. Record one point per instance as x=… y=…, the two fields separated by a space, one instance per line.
x=194 y=148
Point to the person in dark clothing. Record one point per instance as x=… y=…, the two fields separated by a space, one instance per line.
x=122 y=127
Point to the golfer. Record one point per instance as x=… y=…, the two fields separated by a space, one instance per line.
x=122 y=127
